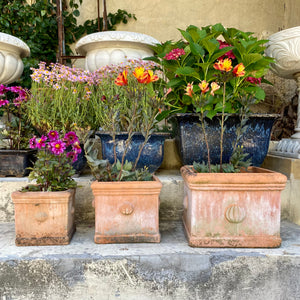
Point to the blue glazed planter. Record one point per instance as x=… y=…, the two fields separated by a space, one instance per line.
x=191 y=145
x=152 y=154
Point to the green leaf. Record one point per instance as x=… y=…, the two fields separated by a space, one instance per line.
x=197 y=49
x=260 y=93
x=185 y=71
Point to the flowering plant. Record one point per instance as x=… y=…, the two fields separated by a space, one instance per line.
x=13 y=109
x=59 y=98
x=193 y=60
x=53 y=169
x=131 y=104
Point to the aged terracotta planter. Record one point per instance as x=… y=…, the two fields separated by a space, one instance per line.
x=127 y=211
x=44 y=218
x=232 y=209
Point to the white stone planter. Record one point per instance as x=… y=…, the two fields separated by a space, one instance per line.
x=12 y=50
x=113 y=47
x=284 y=46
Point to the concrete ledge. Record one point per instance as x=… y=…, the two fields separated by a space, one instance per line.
x=169 y=270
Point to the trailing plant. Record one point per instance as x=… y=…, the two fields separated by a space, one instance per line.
x=36 y=24
x=53 y=169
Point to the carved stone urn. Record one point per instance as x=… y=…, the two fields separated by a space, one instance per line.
x=284 y=47
x=113 y=47
x=12 y=50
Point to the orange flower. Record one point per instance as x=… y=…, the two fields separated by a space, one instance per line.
x=239 y=70
x=122 y=78
x=150 y=77
x=203 y=85
x=224 y=65
x=214 y=87
x=140 y=74
x=189 y=90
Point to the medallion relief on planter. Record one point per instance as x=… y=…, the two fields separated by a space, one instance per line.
x=235 y=214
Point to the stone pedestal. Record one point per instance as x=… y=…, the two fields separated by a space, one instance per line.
x=290 y=200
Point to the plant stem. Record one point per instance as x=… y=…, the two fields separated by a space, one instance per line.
x=206 y=141
x=222 y=128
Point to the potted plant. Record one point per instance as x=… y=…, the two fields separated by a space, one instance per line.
x=228 y=204
x=126 y=196
x=192 y=61
x=44 y=212
x=14 y=133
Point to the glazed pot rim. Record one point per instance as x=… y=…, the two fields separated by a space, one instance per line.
x=104 y=132
x=256 y=115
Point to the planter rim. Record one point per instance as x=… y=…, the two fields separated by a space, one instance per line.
x=38 y=196
x=293 y=32
x=18 y=151
x=256 y=177
x=166 y=134
x=110 y=36
x=101 y=186
x=228 y=114
x=15 y=43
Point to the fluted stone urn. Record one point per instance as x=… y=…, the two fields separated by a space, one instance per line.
x=284 y=47
x=12 y=50
x=113 y=47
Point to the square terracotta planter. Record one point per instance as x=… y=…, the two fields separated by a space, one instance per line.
x=44 y=218
x=232 y=209
x=127 y=211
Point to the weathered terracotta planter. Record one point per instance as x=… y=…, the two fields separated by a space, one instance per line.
x=44 y=218
x=232 y=209
x=127 y=211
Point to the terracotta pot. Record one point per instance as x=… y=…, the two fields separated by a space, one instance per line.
x=44 y=218
x=127 y=211
x=232 y=209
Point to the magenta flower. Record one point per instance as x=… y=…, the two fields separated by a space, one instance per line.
x=41 y=142
x=57 y=147
x=253 y=80
x=76 y=147
x=33 y=143
x=3 y=102
x=174 y=54
x=70 y=138
x=73 y=155
x=228 y=54
x=53 y=135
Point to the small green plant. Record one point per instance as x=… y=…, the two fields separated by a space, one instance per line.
x=53 y=169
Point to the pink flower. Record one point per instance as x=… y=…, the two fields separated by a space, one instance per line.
x=57 y=147
x=76 y=147
x=73 y=155
x=253 y=80
x=228 y=54
x=33 y=143
x=3 y=102
x=53 y=135
x=70 y=138
x=40 y=142
x=174 y=54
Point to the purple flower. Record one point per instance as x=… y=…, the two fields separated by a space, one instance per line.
x=53 y=135
x=76 y=147
x=57 y=147
x=3 y=102
x=73 y=155
x=33 y=143
x=70 y=138
x=40 y=142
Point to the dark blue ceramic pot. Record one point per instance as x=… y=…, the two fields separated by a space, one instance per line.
x=191 y=144
x=81 y=162
x=152 y=154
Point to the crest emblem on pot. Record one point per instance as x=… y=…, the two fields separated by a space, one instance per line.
x=235 y=213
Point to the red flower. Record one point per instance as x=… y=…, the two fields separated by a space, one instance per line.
x=239 y=70
x=122 y=78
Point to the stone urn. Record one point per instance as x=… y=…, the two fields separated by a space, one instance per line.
x=12 y=50
x=284 y=47
x=113 y=47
